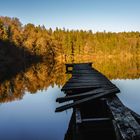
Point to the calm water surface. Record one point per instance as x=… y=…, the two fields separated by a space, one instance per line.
x=130 y=93
x=34 y=117
x=27 y=110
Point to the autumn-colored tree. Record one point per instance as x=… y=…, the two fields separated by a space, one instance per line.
x=66 y=43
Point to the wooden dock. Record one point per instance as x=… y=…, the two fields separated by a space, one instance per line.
x=97 y=111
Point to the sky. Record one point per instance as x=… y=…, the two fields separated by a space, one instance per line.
x=95 y=15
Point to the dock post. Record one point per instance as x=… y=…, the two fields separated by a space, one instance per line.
x=67 y=68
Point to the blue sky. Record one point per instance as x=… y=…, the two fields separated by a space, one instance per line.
x=97 y=15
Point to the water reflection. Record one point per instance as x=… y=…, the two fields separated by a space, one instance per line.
x=45 y=74
x=114 y=67
x=37 y=77
x=130 y=94
x=119 y=67
x=28 y=98
x=34 y=117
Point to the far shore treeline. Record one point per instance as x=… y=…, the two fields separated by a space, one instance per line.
x=62 y=43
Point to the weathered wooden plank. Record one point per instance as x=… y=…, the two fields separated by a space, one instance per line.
x=80 y=87
x=82 y=95
x=88 y=79
x=78 y=90
x=86 y=76
x=95 y=120
x=87 y=69
x=84 y=71
x=76 y=96
x=86 y=88
x=117 y=133
x=92 y=79
x=82 y=66
x=94 y=72
x=87 y=82
x=82 y=76
x=78 y=84
x=97 y=96
x=86 y=63
x=69 y=83
x=74 y=82
x=135 y=115
x=127 y=125
x=97 y=74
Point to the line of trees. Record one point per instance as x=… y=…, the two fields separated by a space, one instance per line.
x=37 y=40
x=61 y=42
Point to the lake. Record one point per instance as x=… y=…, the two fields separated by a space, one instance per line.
x=28 y=99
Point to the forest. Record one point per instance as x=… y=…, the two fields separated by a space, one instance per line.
x=64 y=43
x=32 y=57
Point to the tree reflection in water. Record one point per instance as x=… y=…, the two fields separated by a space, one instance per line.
x=49 y=73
